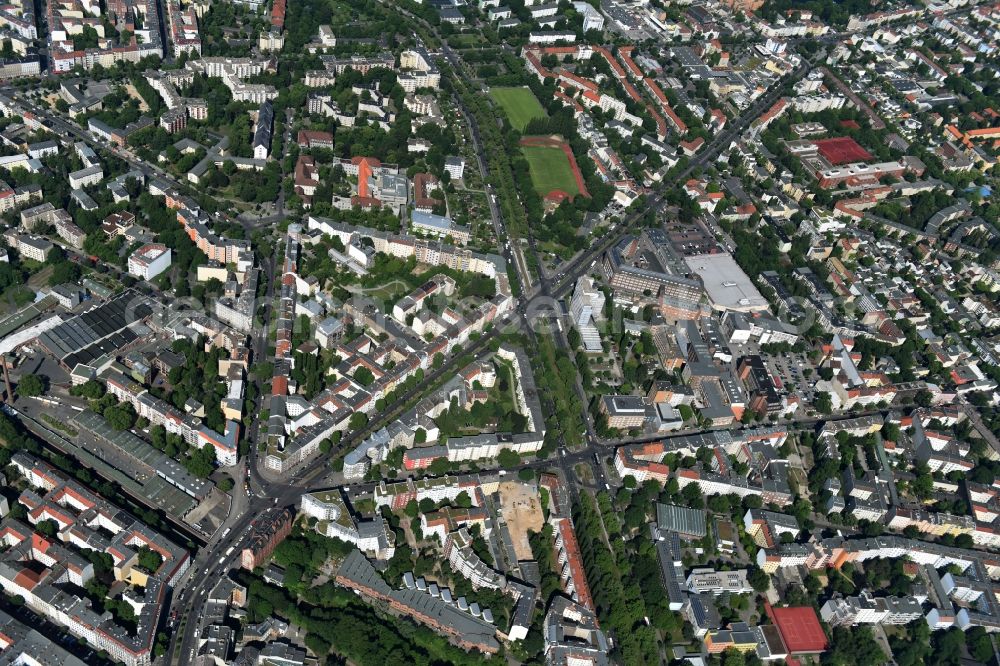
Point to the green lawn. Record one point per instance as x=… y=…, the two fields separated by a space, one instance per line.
x=550 y=170
x=520 y=105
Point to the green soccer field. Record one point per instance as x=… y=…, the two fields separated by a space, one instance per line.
x=550 y=170
x=520 y=105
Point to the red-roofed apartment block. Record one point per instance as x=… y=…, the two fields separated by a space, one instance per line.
x=315 y=139
x=366 y=168
x=615 y=65
x=568 y=101
x=642 y=461
x=625 y=52
x=692 y=147
x=573 y=575
x=576 y=81
x=985 y=133
x=770 y=115
x=661 y=97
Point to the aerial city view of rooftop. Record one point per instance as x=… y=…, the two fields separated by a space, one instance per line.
x=566 y=333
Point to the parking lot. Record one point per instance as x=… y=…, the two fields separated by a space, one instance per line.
x=792 y=372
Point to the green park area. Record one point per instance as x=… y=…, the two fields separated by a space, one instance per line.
x=520 y=105
x=550 y=170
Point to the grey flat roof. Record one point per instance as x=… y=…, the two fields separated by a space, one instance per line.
x=680 y=519
x=97 y=331
x=728 y=287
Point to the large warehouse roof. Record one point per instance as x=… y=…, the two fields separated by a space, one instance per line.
x=98 y=331
x=728 y=287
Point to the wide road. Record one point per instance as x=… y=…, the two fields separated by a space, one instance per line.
x=58 y=124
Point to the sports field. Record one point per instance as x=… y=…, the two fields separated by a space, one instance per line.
x=550 y=170
x=520 y=105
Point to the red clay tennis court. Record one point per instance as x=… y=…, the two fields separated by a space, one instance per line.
x=800 y=629
x=842 y=150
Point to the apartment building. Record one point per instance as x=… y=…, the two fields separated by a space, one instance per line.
x=149 y=261
x=868 y=609
x=35 y=248
x=624 y=411
x=464 y=560
x=587 y=306
x=36 y=568
x=718 y=582
x=269 y=530
x=158 y=412
x=418 y=70
x=334 y=519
